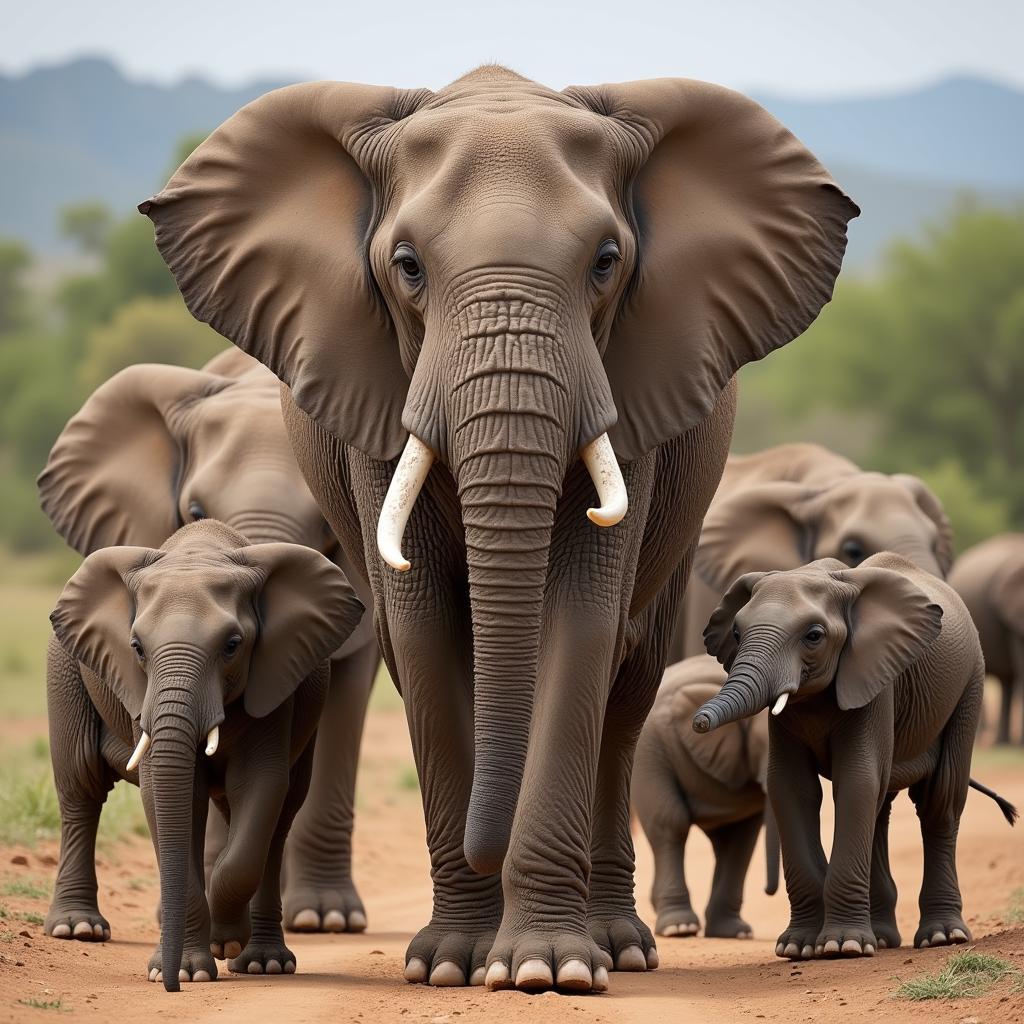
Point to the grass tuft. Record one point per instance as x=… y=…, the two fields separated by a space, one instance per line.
x=408 y=779
x=45 y=1004
x=965 y=975
x=31 y=890
x=1015 y=909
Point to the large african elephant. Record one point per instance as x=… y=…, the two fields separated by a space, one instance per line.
x=788 y=505
x=158 y=446
x=990 y=579
x=526 y=294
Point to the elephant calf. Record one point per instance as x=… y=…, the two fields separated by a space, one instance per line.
x=208 y=642
x=882 y=672
x=717 y=782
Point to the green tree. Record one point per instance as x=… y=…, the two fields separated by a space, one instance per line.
x=88 y=225
x=15 y=261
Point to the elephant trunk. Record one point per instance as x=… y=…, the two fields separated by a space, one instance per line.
x=509 y=463
x=771 y=850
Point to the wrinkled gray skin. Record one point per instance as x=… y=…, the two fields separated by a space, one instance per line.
x=790 y=504
x=715 y=781
x=208 y=631
x=883 y=671
x=990 y=579
x=159 y=446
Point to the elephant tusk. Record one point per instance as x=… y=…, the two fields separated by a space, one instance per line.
x=212 y=740
x=604 y=470
x=780 y=704
x=411 y=471
x=143 y=746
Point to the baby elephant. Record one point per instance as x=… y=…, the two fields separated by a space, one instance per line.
x=882 y=671
x=211 y=655
x=715 y=781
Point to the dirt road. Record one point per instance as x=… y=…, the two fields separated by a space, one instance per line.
x=358 y=978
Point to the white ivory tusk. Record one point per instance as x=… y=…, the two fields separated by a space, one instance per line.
x=611 y=488
x=133 y=761
x=411 y=471
x=212 y=739
x=780 y=704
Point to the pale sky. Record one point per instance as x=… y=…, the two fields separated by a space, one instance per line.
x=794 y=47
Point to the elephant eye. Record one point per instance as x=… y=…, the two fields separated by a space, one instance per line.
x=196 y=511
x=853 y=552
x=233 y=643
x=408 y=264
x=136 y=644
x=814 y=635
x=607 y=256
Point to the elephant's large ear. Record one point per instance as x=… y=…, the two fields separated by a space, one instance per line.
x=1008 y=598
x=755 y=529
x=741 y=235
x=265 y=228
x=891 y=623
x=928 y=502
x=306 y=609
x=718 y=638
x=112 y=476
x=93 y=620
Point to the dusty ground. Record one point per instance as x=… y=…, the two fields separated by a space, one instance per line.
x=358 y=978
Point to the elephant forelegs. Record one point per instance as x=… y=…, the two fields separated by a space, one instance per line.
x=883 y=886
x=734 y=846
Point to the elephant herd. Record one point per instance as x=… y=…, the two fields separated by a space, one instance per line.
x=474 y=309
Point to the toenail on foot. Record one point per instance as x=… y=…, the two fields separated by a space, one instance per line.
x=61 y=931
x=869 y=950
x=830 y=947
x=201 y=976
x=416 y=971
x=255 y=967
x=307 y=920
x=792 y=949
x=807 y=952
x=183 y=975
x=600 y=978
x=273 y=967
x=289 y=967
x=83 y=928
x=232 y=950
x=334 y=921
x=670 y=929
x=153 y=974
x=653 y=959
x=957 y=935
x=447 y=975
x=478 y=976
x=356 y=921
x=497 y=975
x=851 y=947
x=534 y=973
x=575 y=975
x=631 y=959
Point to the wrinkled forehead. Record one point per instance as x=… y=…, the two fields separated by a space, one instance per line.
x=868 y=492
x=192 y=580
x=800 y=593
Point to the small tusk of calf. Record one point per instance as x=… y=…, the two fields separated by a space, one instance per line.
x=780 y=704
x=604 y=470
x=143 y=746
x=212 y=739
x=410 y=473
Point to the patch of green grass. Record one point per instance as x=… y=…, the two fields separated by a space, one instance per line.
x=1014 y=913
x=29 y=917
x=6 y=935
x=965 y=975
x=408 y=779
x=46 y=1004
x=28 y=888
x=384 y=696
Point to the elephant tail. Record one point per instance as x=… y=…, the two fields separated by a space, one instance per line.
x=1010 y=813
x=771 y=850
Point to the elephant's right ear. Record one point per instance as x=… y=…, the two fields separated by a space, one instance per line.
x=741 y=233
x=112 y=475
x=718 y=637
x=93 y=620
x=755 y=529
x=1008 y=598
x=265 y=228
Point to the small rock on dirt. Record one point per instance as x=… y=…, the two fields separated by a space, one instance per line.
x=20 y=859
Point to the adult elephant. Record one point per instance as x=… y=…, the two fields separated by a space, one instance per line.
x=526 y=294
x=990 y=579
x=788 y=505
x=156 y=447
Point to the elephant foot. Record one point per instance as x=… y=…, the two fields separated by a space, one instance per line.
x=539 y=961
x=941 y=930
x=838 y=939
x=309 y=907
x=229 y=935
x=887 y=933
x=797 y=942
x=680 y=922
x=196 y=965
x=625 y=941
x=448 y=956
x=86 y=924
x=726 y=925
x=264 y=956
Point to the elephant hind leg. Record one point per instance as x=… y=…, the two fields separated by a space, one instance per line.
x=734 y=846
x=883 y=886
x=940 y=800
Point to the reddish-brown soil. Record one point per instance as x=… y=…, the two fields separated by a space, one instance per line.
x=358 y=978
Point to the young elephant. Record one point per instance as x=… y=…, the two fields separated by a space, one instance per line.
x=208 y=642
x=884 y=672
x=717 y=782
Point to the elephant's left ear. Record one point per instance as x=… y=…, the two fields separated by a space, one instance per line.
x=306 y=610
x=928 y=502
x=741 y=235
x=892 y=622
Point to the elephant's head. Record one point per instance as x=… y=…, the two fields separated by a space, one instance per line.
x=180 y=633
x=791 y=635
x=504 y=279
x=157 y=446
x=781 y=525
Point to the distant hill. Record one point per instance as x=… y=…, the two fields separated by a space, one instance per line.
x=81 y=130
